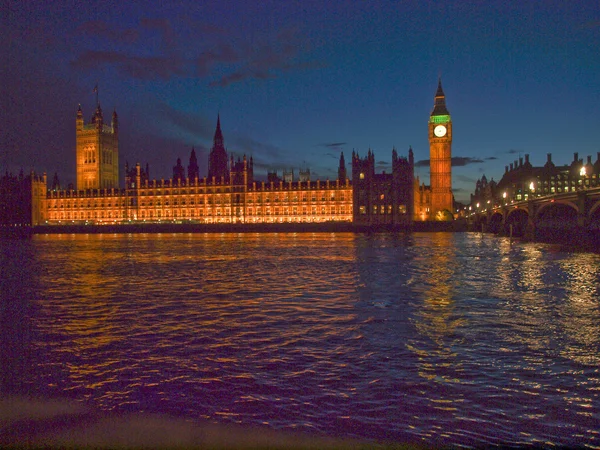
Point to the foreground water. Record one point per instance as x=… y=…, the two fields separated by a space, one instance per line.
x=440 y=339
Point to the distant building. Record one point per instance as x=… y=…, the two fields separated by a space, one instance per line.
x=288 y=175
x=22 y=199
x=522 y=181
x=304 y=175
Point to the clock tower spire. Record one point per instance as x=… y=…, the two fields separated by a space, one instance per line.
x=440 y=158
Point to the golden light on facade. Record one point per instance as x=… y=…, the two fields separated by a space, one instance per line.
x=233 y=197
x=202 y=202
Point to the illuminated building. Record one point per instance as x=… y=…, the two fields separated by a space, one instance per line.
x=97 y=152
x=522 y=181
x=230 y=194
x=440 y=154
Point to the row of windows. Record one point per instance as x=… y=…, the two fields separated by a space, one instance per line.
x=265 y=197
x=182 y=201
x=552 y=190
x=323 y=195
x=107 y=157
x=89 y=156
x=250 y=211
x=382 y=209
x=211 y=189
x=87 y=215
x=83 y=205
x=566 y=176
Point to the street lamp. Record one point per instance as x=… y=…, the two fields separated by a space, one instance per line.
x=582 y=174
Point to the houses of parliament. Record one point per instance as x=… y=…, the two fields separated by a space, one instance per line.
x=230 y=193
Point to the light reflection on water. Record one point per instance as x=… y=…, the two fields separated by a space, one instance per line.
x=436 y=338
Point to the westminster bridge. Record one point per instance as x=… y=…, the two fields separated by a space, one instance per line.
x=563 y=216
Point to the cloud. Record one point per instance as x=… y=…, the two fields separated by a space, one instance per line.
x=260 y=72
x=464 y=178
x=457 y=161
x=137 y=62
x=240 y=75
x=266 y=60
x=227 y=58
x=460 y=161
x=103 y=30
x=201 y=128
x=192 y=124
x=138 y=67
x=164 y=27
x=260 y=150
x=223 y=53
x=591 y=24
x=332 y=144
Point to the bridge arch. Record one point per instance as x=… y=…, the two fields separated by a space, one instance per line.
x=543 y=207
x=594 y=218
x=595 y=207
x=518 y=218
x=495 y=222
x=557 y=215
x=479 y=222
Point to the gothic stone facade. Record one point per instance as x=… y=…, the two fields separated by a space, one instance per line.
x=383 y=199
x=231 y=195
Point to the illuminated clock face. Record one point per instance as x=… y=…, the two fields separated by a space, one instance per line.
x=440 y=131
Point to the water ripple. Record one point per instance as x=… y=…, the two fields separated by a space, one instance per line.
x=441 y=339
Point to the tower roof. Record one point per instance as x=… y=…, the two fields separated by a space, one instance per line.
x=439 y=107
x=440 y=91
x=218 y=134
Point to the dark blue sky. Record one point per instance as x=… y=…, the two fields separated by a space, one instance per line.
x=295 y=83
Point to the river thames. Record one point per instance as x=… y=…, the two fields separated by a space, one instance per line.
x=426 y=338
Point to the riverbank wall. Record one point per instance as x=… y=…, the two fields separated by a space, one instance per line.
x=323 y=227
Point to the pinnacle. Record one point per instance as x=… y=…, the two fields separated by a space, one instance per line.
x=440 y=91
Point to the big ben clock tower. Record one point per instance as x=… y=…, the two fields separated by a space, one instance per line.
x=440 y=158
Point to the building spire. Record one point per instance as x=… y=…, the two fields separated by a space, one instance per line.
x=218 y=165
x=439 y=107
x=218 y=139
x=342 y=169
x=96 y=92
x=440 y=91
